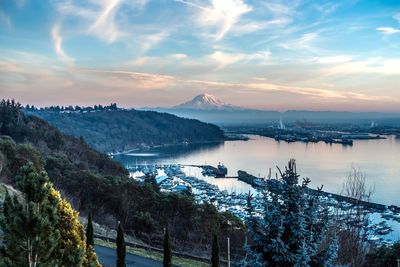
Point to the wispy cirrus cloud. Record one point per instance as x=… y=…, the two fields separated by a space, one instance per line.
x=126 y=79
x=105 y=25
x=254 y=26
x=107 y=21
x=5 y=20
x=332 y=59
x=57 y=39
x=224 y=59
x=147 y=42
x=99 y=17
x=216 y=60
x=388 y=30
x=397 y=17
x=219 y=15
x=375 y=65
x=305 y=42
x=26 y=80
x=313 y=93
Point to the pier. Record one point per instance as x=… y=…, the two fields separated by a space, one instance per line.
x=260 y=183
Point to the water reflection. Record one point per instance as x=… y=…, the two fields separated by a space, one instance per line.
x=166 y=153
x=324 y=164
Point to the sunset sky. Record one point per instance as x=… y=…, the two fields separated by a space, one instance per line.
x=279 y=55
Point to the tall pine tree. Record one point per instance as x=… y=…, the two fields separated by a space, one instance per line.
x=167 y=261
x=215 y=252
x=89 y=231
x=292 y=228
x=121 y=246
x=30 y=224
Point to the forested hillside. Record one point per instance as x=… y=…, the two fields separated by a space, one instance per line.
x=91 y=181
x=118 y=130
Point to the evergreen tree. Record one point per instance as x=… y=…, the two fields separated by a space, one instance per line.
x=292 y=228
x=91 y=258
x=89 y=231
x=167 y=262
x=71 y=247
x=30 y=225
x=71 y=250
x=121 y=247
x=215 y=252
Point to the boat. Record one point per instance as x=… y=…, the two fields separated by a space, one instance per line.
x=218 y=172
x=222 y=170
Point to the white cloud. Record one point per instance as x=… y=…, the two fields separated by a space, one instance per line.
x=108 y=21
x=332 y=59
x=57 y=39
x=397 y=17
x=179 y=56
x=304 y=42
x=5 y=20
x=219 y=15
x=254 y=26
x=388 y=30
x=168 y=59
x=278 y=8
x=101 y=18
x=224 y=59
x=152 y=39
x=131 y=79
x=105 y=26
x=316 y=93
x=376 y=65
x=27 y=78
x=20 y=3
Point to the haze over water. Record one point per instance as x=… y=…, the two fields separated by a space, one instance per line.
x=324 y=164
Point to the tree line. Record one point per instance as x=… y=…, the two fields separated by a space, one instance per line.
x=70 y=108
x=123 y=130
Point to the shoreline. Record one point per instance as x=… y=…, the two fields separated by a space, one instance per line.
x=147 y=148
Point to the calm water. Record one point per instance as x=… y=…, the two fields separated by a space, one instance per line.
x=324 y=164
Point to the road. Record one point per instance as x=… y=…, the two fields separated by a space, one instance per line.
x=108 y=257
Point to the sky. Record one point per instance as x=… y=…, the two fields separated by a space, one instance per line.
x=274 y=55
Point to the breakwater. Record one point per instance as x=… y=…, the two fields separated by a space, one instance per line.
x=260 y=183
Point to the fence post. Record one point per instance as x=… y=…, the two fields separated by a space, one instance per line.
x=229 y=253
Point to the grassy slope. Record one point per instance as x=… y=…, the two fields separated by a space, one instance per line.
x=176 y=261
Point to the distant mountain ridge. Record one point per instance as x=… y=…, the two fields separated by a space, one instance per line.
x=208 y=108
x=205 y=102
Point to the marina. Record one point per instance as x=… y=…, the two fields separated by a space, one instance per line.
x=384 y=226
x=249 y=163
x=325 y=164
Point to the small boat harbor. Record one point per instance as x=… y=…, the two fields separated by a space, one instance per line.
x=384 y=227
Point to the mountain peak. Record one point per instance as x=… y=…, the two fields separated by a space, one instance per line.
x=205 y=102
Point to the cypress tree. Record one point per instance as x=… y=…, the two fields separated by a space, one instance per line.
x=167 y=262
x=89 y=231
x=215 y=252
x=121 y=247
x=91 y=257
x=30 y=234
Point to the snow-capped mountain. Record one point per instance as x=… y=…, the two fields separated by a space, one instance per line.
x=205 y=102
